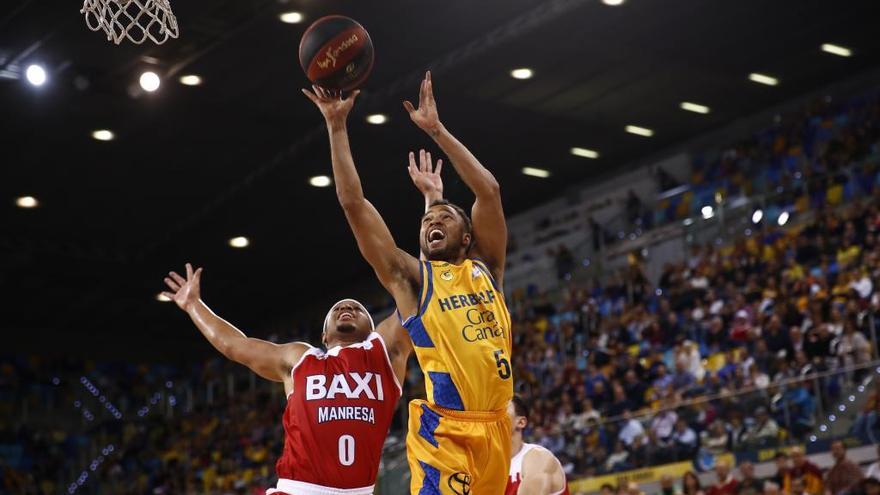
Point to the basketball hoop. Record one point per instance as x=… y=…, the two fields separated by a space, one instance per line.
x=136 y=20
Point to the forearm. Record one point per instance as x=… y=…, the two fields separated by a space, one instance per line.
x=221 y=334
x=348 y=183
x=431 y=197
x=472 y=172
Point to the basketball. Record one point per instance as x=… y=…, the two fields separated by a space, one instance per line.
x=336 y=53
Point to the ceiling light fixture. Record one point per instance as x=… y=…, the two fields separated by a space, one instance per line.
x=694 y=107
x=239 y=242
x=320 y=181
x=103 y=135
x=150 y=81
x=291 y=17
x=639 y=131
x=536 y=172
x=522 y=73
x=763 y=79
x=27 y=202
x=584 y=152
x=840 y=51
x=36 y=75
x=190 y=80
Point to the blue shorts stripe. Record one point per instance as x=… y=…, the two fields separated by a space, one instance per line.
x=445 y=392
x=431 y=481
x=428 y=423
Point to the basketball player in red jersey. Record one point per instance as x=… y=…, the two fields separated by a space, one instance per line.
x=533 y=469
x=340 y=401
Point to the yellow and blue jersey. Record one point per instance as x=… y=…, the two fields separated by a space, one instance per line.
x=461 y=337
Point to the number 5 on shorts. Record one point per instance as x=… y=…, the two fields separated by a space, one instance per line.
x=346 y=450
x=503 y=364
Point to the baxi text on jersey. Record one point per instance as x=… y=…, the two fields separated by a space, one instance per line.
x=459 y=301
x=350 y=385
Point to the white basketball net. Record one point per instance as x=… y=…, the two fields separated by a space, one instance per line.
x=137 y=20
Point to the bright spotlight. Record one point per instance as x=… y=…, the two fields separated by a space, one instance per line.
x=162 y=298
x=708 y=212
x=522 y=73
x=377 y=119
x=150 y=81
x=320 y=181
x=103 y=135
x=27 y=202
x=239 y=242
x=757 y=215
x=190 y=80
x=36 y=75
x=783 y=218
x=291 y=17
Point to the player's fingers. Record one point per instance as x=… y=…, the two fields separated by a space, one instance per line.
x=189 y=271
x=439 y=167
x=412 y=160
x=422 y=166
x=310 y=95
x=177 y=278
x=198 y=274
x=354 y=95
x=171 y=285
x=409 y=107
x=429 y=165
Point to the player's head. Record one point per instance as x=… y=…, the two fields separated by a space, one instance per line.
x=518 y=410
x=446 y=233
x=347 y=322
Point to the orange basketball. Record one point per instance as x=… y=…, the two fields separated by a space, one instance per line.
x=336 y=53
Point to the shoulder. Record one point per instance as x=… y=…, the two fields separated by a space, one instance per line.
x=539 y=460
x=295 y=352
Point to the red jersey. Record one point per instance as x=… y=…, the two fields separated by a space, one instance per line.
x=336 y=419
x=516 y=463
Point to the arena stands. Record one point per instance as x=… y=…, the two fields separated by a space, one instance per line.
x=743 y=345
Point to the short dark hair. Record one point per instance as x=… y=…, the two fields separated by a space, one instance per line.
x=468 y=227
x=520 y=406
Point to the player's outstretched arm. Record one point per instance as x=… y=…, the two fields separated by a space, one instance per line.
x=426 y=177
x=397 y=270
x=269 y=360
x=399 y=345
x=490 y=228
x=540 y=472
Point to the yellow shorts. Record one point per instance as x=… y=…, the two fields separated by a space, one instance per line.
x=457 y=452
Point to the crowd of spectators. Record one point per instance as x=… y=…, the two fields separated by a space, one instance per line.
x=719 y=355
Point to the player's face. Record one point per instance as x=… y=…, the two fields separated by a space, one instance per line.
x=442 y=235
x=348 y=322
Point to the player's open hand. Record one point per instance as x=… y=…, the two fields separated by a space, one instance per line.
x=425 y=175
x=332 y=105
x=426 y=115
x=186 y=291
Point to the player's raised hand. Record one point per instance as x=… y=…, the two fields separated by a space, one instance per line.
x=425 y=175
x=332 y=105
x=425 y=116
x=186 y=291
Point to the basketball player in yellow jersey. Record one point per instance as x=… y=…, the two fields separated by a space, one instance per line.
x=452 y=306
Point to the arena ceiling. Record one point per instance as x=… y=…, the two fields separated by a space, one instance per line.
x=192 y=167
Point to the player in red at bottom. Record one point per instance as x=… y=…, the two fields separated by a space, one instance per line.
x=533 y=469
x=340 y=401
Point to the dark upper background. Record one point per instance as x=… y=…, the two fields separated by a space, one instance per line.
x=193 y=166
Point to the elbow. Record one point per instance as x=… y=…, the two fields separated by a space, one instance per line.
x=491 y=187
x=349 y=201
